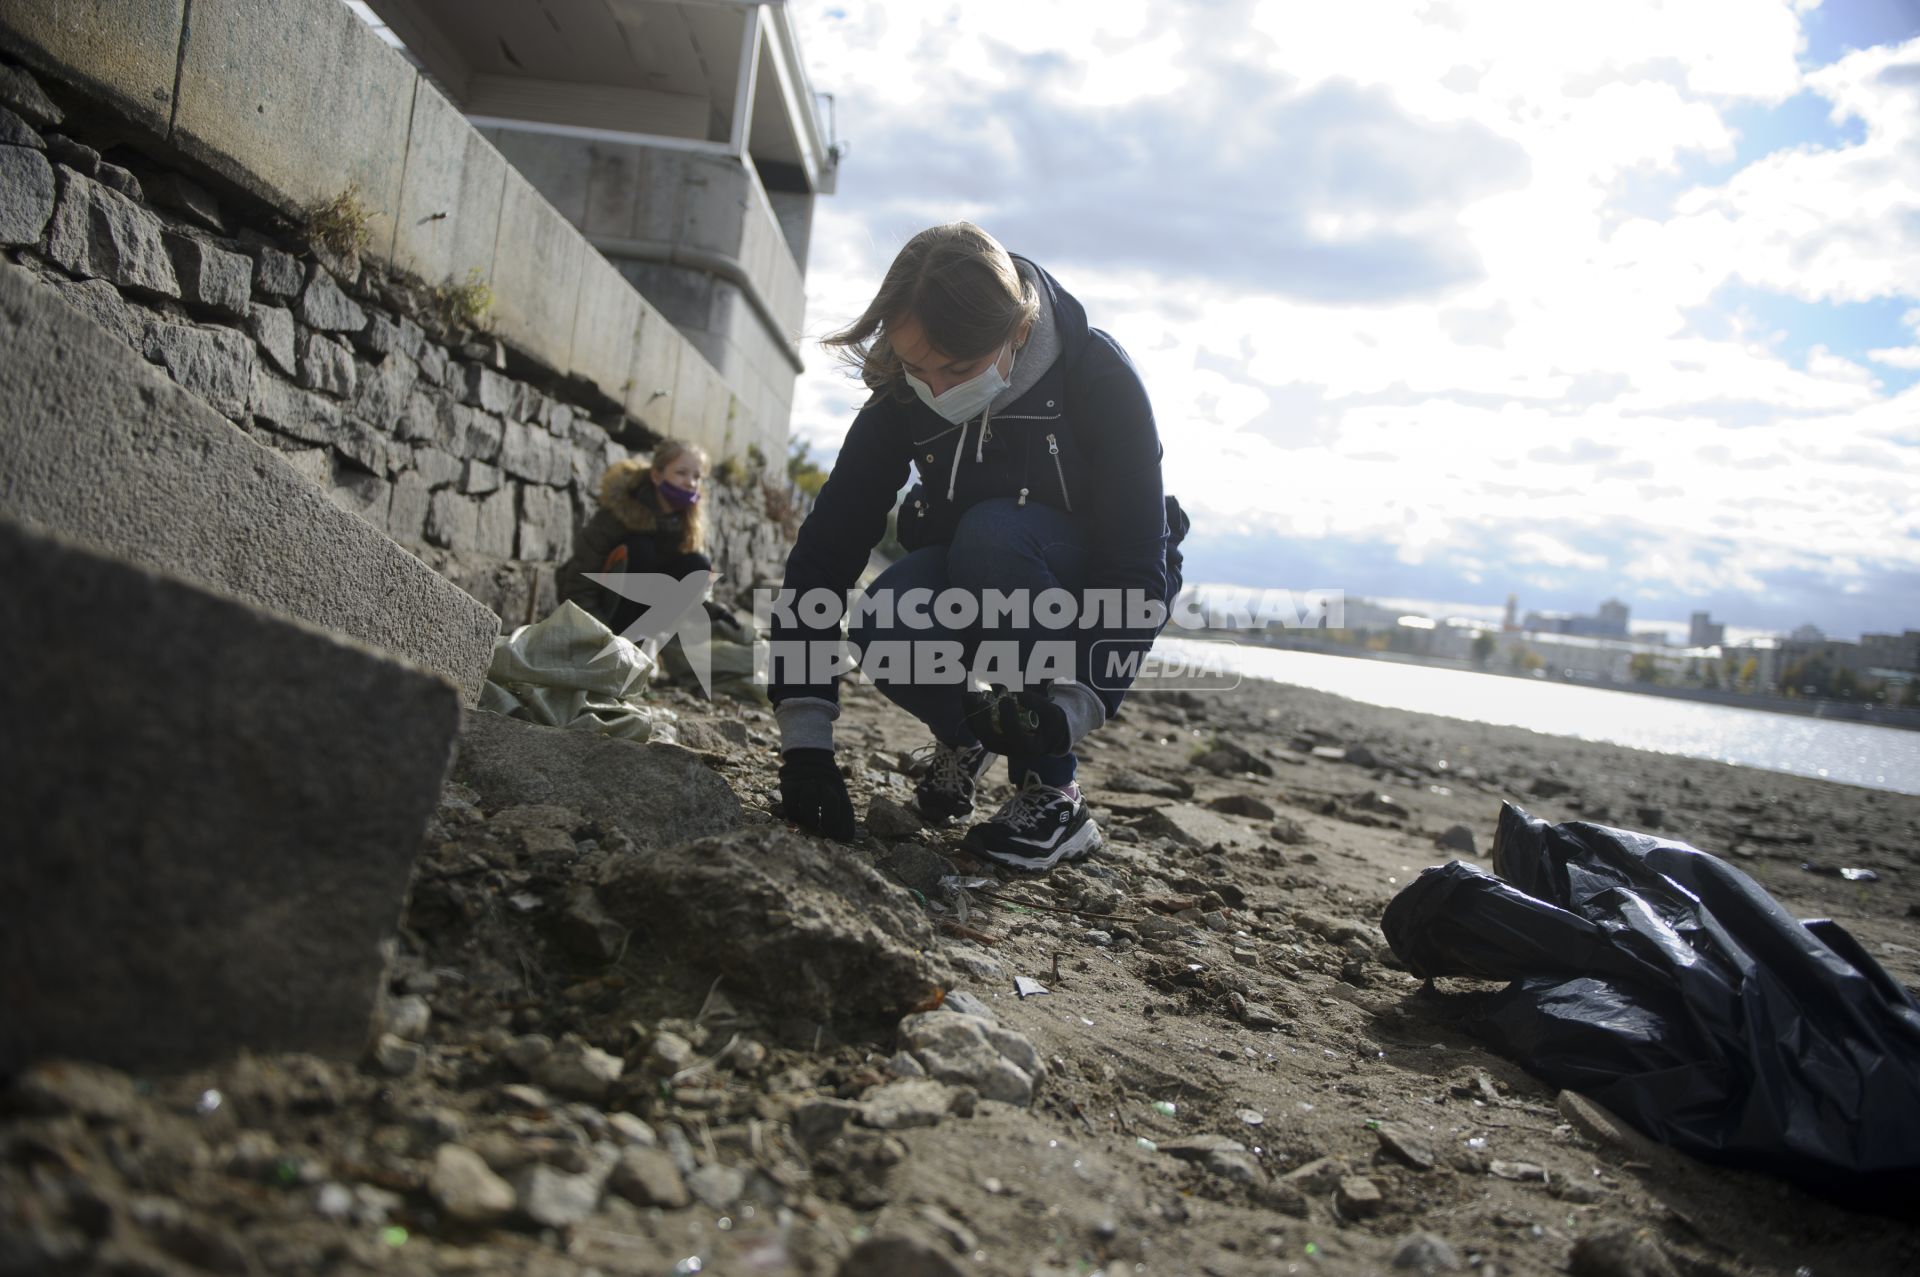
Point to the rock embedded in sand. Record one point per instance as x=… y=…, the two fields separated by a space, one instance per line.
x=1619 y=1250
x=1456 y=838
x=906 y=1103
x=1194 y=827
x=888 y=819
x=554 y=1199
x=1404 y=1142
x=1425 y=1254
x=1358 y=1197
x=810 y=932
x=969 y=1051
x=896 y=1257
x=466 y=1187
x=648 y=1177
x=579 y=1071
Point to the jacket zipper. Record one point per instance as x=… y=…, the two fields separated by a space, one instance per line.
x=1053 y=447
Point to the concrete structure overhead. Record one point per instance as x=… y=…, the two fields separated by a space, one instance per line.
x=682 y=139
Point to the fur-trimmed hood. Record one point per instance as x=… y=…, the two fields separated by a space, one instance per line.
x=622 y=494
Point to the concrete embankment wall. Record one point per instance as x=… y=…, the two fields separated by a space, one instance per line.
x=167 y=198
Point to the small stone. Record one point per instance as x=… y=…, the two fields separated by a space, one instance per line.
x=395 y=1056
x=817 y=1123
x=1321 y=1175
x=1407 y=1144
x=1619 y=1250
x=276 y=274
x=20 y=92
x=632 y=1130
x=648 y=1177
x=969 y=1051
x=747 y=1057
x=580 y=1072
x=307 y=417
x=326 y=365
x=1358 y=1197
x=123 y=181
x=272 y=327
x=15 y=131
x=906 y=1103
x=1287 y=831
x=962 y=1239
x=1425 y=1253
x=528 y=1051
x=408 y=1017
x=323 y=306
x=1259 y=1015
x=1456 y=838
x=888 y=819
x=1242 y=805
x=1577 y=1191
x=516 y=1096
x=76 y=1088
x=171 y=190
x=554 y=1199
x=919 y=868
x=1239 y=1167
x=77 y=156
x=1519 y=1171
x=211 y=277
x=1199 y=1148
x=580 y=925
x=902 y=1064
x=896 y=1257
x=466 y=1188
x=717 y=1187
x=668 y=1053
x=966 y=1004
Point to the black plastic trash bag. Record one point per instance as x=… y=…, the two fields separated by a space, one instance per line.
x=1668 y=986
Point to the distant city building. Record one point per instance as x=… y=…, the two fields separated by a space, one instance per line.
x=1704 y=631
x=1610 y=623
x=1807 y=634
x=1612 y=619
x=1893 y=652
x=1509 y=625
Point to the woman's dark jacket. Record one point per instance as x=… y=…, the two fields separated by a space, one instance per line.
x=1082 y=440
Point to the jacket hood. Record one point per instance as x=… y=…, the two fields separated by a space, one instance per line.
x=1069 y=316
x=621 y=494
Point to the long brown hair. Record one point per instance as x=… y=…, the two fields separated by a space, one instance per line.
x=665 y=453
x=962 y=287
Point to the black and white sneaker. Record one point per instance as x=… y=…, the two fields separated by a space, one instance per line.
x=1036 y=829
x=952 y=776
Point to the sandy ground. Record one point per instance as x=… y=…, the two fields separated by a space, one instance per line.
x=1239 y=1078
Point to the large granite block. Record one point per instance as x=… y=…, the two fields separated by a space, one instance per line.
x=450 y=197
x=606 y=327
x=212 y=816
x=655 y=372
x=124 y=52
x=536 y=275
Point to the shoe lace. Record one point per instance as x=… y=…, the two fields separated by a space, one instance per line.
x=946 y=767
x=1024 y=809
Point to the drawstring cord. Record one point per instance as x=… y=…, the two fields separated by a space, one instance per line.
x=980 y=444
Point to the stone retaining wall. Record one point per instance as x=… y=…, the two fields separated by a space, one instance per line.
x=481 y=463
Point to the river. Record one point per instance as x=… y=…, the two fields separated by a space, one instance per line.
x=1854 y=753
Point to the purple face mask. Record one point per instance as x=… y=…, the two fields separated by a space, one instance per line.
x=676 y=496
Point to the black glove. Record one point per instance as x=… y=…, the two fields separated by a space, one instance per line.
x=814 y=793
x=1018 y=724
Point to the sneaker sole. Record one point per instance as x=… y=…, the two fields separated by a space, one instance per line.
x=1079 y=846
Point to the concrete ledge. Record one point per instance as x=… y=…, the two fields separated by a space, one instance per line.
x=100 y=446
x=538 y=257
x=449 y=197
x=212 y=816
x=296 y=101
x=125 y=53
x=607 y=327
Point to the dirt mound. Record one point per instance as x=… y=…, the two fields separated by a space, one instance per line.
x=812 y=934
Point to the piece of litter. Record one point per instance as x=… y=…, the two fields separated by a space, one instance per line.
x=1147 y=1144
x=1027 y=987
x=1252 y=1117
x=1165 y=1108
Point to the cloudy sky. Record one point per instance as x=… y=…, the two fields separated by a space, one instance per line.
x=1441 y=300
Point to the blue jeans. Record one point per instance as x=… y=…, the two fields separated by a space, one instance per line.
x=997 y=545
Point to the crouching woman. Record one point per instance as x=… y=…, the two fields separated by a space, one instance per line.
x=1038 y=464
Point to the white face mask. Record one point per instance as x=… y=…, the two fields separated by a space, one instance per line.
x=970 y=398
